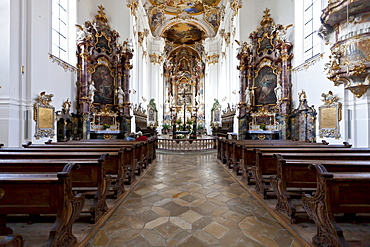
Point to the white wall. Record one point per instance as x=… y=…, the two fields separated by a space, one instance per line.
x=116 y=11
x=27 y=43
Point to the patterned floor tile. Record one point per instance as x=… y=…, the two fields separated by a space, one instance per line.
x=190 y=201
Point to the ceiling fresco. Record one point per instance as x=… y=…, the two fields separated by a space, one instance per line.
x=184 y=33
x=174 y=7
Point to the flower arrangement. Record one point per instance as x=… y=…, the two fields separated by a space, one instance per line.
x=263 y=126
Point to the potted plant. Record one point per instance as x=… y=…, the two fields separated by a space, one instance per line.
x=165 y=128
x=263 y=126
x=106 y=126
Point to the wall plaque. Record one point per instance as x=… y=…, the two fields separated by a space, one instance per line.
x=44 y=115
x=330 y=114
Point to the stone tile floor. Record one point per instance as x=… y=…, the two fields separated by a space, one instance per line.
x=190 y=200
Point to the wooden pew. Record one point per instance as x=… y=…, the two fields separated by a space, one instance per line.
x=151 y=142
x=266 y=162
x=337 y=192
x=294 y=178
x=12 y=241
x=239 y=150
x=113 y=162
x=224 y=148
x=89 y=177
x=42 y=193
x=143 y=150
x=249 y=154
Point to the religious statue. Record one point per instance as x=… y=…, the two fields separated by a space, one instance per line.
x=278 y=92
x=302 y=95
x=92 y=90
x=248 y=97
x=120 y=95
x=66 y=106
x=329 y=98
x=81 y=32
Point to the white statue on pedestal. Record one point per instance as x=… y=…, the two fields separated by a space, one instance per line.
x=120 y=95
x=92 y=90
x=278 y=92
x=248 y=96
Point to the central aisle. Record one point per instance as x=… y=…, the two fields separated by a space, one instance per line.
x=190 y=200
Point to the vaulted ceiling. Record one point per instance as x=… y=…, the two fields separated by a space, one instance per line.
x=184 y=23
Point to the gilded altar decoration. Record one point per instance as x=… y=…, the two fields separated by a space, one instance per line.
x=264 y=72
x=104 y=73
x=350 y=54
x=264 y=119
x=330 y=114
x=184 y=75
x=105 y=119
x=44 y=115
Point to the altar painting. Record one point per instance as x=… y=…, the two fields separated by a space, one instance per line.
x=104 y=84
x=265 y=83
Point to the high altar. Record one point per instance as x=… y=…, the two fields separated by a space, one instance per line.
x=103 y=93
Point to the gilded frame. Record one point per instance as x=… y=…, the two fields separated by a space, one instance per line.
x=265 y=80
x=109 y=76
x=44 y=116
x=329 y=118
x=264 y=46
x=103 y=42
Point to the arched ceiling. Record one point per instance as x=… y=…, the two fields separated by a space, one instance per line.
x=184 y=23
x=184 y=33
x=174 y=7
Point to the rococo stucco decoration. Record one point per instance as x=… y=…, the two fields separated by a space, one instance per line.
x=350 y=54
x=44 y=116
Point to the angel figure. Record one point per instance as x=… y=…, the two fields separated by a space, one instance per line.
x=81 y=32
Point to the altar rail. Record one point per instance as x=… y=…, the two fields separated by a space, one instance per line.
x=186 y=144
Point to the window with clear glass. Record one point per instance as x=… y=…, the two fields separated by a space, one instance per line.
x=312 y=42
x=59 y=35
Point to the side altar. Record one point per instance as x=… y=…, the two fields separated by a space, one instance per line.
x=103 y=92
x=265 y=85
